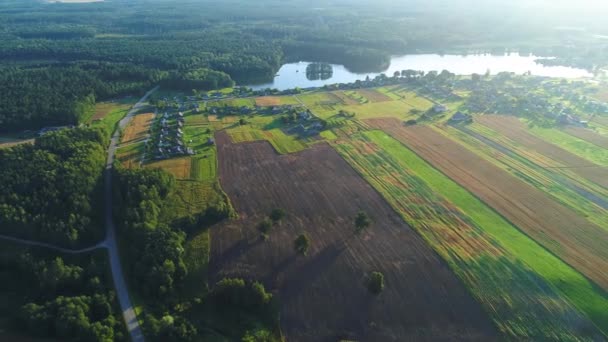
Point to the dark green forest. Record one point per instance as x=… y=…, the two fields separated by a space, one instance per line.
x=57 y=59
x=51 y=191
x=67 y=298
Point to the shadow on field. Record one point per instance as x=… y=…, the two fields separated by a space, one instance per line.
x=234 y=252
x=312 y=269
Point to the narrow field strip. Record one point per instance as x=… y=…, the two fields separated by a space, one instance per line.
x=515 y=130
x=528 y=292
x=587 y=188
x=588 y=135
x=580 y=147
x=594 y=208
x=576 y=241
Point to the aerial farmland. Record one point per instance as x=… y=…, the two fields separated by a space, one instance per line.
x=499 y=219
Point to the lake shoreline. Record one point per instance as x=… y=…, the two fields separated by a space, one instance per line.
x=293 y=75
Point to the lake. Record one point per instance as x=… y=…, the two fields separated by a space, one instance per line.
x=294 y=75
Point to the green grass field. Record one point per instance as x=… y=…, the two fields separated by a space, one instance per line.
x=528 y=292
x=318 y=99
x=236 y=102
x=573 y=144
x=388 y=92
x=403 y=105
x=112 y=113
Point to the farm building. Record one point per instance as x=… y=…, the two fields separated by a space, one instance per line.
x=439 y=108
x=305 y=116
x=460 y=117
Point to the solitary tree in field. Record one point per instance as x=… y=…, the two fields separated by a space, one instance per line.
x=264 y=227
x=277 y=215
x=375 y=283
x=362 y=222
x=301 y=244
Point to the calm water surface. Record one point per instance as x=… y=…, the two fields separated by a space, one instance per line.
x=294 y=74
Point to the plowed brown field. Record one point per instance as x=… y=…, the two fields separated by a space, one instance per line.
x=588 y=135
x=572 y=238
x=137 y=128
x=323 y=295
x=515 y=130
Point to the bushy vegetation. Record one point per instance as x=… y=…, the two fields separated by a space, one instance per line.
x=375 y=283
x=50 y=191
x=156 y=246
x=362 y=221
x=301 y=244
x=64 y=298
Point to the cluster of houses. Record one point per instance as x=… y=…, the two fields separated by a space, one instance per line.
x=230 y=110
x=572 y=120
x=306 y=129
x=171 y=137
x=440 y=91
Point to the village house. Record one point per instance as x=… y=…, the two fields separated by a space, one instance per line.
x=460 y=117
x=439 y=108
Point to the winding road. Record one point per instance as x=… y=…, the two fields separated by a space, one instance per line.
x=110 y=242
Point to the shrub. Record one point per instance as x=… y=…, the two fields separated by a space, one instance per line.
x=302 y=244
x=375 y=283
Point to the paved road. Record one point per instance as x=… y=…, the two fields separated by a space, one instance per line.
x=110 y=241
x=119 y=281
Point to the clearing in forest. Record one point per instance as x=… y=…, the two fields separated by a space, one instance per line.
x=323 y=295
x=102 y=109
x=575 y=240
